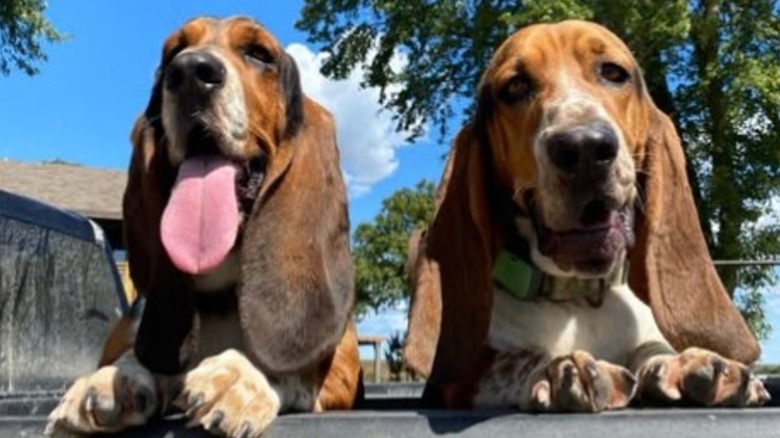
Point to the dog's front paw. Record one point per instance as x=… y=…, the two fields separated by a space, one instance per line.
x=110 y=399
x=700 y=377
x=579 y=383
x=227 y=395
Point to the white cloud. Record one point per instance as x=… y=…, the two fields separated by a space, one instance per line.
x=366 y=134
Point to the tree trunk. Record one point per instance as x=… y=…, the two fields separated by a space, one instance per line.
x=726 y=203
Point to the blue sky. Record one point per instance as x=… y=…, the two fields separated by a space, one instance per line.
x=81 y=106
x=771 y=346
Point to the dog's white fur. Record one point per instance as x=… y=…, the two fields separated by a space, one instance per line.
x=610 y=331
x=570 y=107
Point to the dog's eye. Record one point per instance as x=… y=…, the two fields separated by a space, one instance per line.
x=518 y=88
x=614 y=73
x=258 y=54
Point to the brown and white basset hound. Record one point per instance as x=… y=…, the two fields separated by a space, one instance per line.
x=237 y=236
x=565 y=269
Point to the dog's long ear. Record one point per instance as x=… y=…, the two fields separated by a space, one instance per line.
x=290 y=81
x=169 y=309
x=296 y=287
x=450 y=273
x=671 y=267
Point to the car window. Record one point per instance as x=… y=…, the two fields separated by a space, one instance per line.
x=59 y=295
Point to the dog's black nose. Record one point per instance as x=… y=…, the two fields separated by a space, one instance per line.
x=583 y=148
x=195 y=71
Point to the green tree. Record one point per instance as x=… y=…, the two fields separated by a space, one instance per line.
x=23 y=29
x=380 y=247
x=712 y=65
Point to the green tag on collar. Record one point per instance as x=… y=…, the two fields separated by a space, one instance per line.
x=514 y=275
x=519 y=278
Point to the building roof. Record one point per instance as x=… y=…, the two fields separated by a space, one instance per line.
x=95 y=193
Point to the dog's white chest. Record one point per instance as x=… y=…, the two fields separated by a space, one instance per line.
x=610 y=331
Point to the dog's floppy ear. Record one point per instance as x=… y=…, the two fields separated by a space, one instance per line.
x=290 y=81
x=169 y=308
x=671 y=267
x=450 y=275
x=296 y=285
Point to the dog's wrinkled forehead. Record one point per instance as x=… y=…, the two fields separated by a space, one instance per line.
x=546 y=64
x=544 y=52
x=233 y=35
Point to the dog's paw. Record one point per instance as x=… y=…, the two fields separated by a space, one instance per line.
x=227 y=395
x=110 y=399
x=700 y=377
x=579 y=383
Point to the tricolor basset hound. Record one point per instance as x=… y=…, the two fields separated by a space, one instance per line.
x=565 y=269
x=237 y=237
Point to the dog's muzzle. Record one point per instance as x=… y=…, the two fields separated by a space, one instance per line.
x=592 y=250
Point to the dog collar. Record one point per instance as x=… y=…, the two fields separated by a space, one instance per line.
x=516 y=275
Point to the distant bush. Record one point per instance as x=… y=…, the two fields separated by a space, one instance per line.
x=394 y=356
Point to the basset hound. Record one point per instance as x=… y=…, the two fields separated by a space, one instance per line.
x=565 y=269
x=237 y=237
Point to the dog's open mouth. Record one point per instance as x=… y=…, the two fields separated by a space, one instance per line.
x=201 y=220
x=593 y=247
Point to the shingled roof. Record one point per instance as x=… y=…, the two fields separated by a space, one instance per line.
x=95 y=193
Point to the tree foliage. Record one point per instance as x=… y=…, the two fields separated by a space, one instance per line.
x=380 y=247
x=23 y=30
x=712 y=65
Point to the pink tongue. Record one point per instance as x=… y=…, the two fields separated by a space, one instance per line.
x=200 y=222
